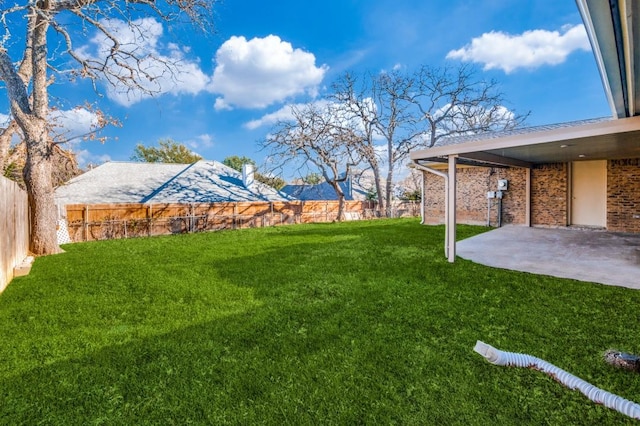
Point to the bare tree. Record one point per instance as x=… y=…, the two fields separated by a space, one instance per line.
x=454 y=102
x=64 y=165
x=312 y=136
x=121 y=64
x=377 y=110
x=394 y=113
x=352 y=98
x=397 y=123
x=6 y=136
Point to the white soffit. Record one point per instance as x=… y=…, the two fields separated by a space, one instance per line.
x=613 y=28
x=593 y=141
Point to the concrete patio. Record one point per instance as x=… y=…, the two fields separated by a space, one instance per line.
x=585 y=255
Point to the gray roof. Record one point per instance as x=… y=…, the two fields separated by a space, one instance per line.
x=577 y=141
x=454 y=140
x=324 y=191
x=131 y=182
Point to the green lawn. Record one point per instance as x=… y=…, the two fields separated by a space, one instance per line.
x=353 y=323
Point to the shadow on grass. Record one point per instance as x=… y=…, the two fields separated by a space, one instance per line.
x=331 y=364
x=364 y=325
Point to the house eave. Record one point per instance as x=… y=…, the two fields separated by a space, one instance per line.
x=591 y=141
x=613 y=27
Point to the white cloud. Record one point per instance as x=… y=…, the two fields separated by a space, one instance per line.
x=531 y=49
x=283 y=114
x=85 y=158
x=4 y=120
x=201 y=141
x=67 y=125
x=332 y=109
x=164 y=69
x=73 y=123
x=262 y=71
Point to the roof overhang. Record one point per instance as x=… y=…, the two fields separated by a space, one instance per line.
x=613 y=27
x=613 y=139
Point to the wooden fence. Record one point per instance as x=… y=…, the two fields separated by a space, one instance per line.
x=14 y=229
x=111 y=221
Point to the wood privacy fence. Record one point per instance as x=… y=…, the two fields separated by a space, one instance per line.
x=111 y=221
x=14 y=229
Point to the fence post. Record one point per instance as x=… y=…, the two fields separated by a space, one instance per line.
x=191 y=218
x=149 y=212
x=85 y=222
x=235 y=213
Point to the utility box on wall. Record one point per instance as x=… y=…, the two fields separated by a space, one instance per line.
x=503 y=184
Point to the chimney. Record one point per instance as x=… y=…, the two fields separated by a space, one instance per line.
x=247 y=175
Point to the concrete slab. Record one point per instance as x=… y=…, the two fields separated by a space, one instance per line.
x=23 y=268
x=585 y=255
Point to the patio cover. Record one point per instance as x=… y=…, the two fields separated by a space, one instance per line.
x=598 y=139
x=613 y=28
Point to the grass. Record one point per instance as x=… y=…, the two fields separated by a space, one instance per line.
x=354 y=323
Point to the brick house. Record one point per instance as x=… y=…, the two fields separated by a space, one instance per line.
x=583 y=173
x=587 y=187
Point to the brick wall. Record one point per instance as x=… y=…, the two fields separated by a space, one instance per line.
x=549 y=189
x=473 y=184
x=623 y=195
x=433 y=198
x=549 y=195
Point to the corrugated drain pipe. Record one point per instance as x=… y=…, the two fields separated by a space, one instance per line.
x=419 y=166
x=597 y=395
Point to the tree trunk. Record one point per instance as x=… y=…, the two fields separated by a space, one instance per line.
x=379 y=191
x=388 y=184
x=31 y=112
x=389 y=194
x=340 y=207
x=37 y=178
x=5 y=143
x=340 y=194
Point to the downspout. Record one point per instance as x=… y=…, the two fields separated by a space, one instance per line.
x=444 y=175
x=422 y=200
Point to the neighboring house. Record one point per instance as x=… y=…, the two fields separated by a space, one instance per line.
x=324 y=191
x=134 y=182
x=573 y=174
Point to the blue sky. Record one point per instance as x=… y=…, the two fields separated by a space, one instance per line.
x=266 y=55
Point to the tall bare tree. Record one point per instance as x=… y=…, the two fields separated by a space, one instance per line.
x=313 y=136
x=396 y=112
x=357 y=111
x=64 y=165
x=27 y=80
x=6 y=136
x=397 y=123
x=455 y=101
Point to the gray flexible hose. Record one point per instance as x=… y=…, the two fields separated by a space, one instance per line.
x=597 y=395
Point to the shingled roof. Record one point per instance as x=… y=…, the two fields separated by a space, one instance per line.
x=454 y=140
x=133 y=182
x=324 y=191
